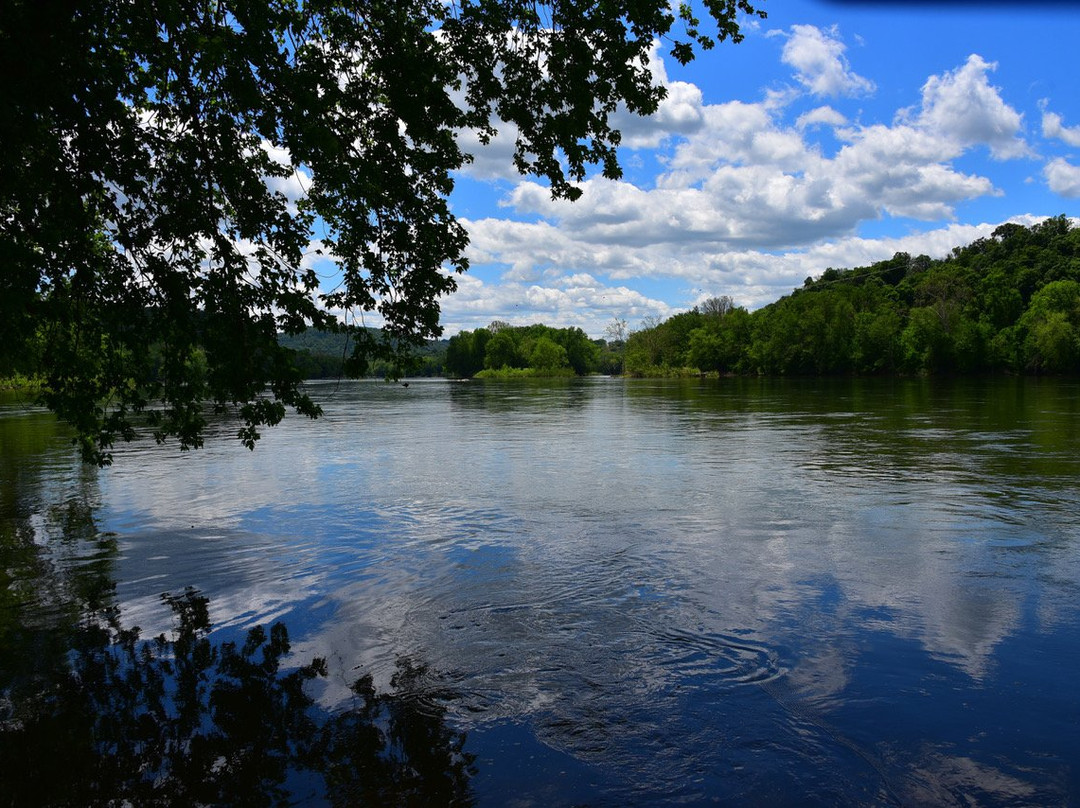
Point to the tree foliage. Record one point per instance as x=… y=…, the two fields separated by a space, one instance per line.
x=152 y=249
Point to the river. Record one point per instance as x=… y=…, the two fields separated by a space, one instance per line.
x=622 y=592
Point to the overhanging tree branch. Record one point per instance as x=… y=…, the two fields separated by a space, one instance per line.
x=136 y=139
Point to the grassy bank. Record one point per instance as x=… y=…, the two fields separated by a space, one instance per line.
x=525 y=373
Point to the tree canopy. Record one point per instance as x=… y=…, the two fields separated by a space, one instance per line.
x=152 y=250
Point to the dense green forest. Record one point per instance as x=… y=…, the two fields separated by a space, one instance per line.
x=1008 y=303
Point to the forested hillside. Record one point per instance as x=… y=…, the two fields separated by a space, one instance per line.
x=1008 y=303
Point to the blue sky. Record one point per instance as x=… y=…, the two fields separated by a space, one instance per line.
x=836 y=134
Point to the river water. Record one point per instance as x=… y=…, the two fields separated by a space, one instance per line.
x=629 y=592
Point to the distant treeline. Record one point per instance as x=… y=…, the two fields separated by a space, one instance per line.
x=1008 y=303
x=324 y=355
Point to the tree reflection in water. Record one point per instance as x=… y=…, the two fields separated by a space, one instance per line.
x=182 y=721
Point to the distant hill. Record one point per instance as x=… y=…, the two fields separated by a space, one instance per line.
x=316 y=342
x=321 y=354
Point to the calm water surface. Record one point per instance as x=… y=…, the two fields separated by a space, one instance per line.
x=632 y=592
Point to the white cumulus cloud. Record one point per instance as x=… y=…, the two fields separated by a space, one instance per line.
x=820 y=65
x=820 y=116
x=1063 y=178
x=964 y=106
x=680 y=113
x=1054 y=127
x=574 y=300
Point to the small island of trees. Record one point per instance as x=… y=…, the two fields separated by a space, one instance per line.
x=506 y=351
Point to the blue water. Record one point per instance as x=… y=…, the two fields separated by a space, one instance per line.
x=652 y=593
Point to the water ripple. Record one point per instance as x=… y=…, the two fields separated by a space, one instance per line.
x=718 y=658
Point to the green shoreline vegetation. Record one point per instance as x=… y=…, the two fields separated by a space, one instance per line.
x=1009 y=303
